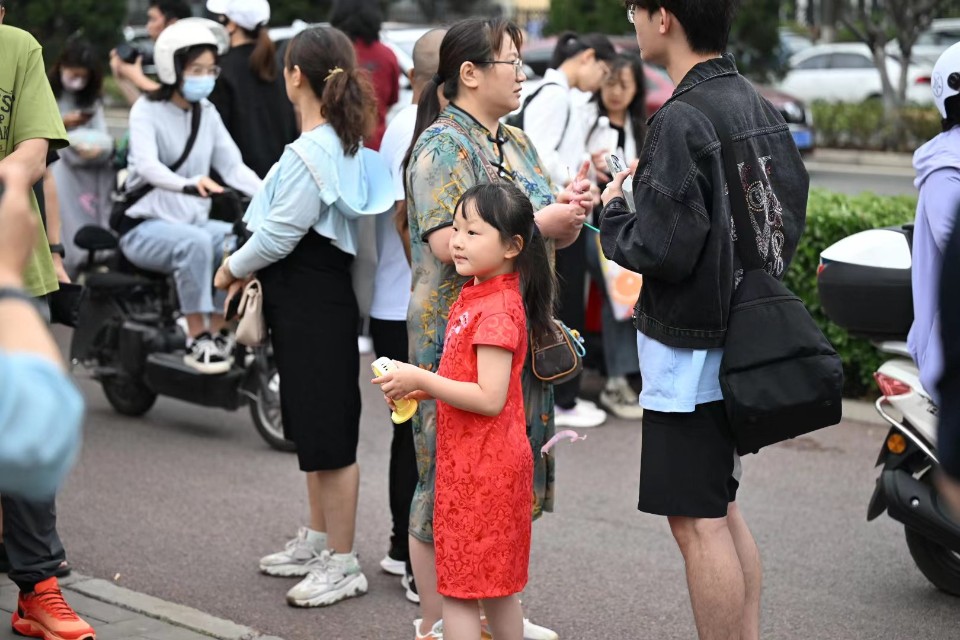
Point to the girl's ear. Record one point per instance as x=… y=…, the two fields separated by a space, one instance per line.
x=296 y=76
x=588 y=56
x=514 y=247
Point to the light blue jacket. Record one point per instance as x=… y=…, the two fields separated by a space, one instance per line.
x=41 y=412
x=315 y=185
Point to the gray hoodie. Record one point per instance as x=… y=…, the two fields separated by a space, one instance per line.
x=938 y=179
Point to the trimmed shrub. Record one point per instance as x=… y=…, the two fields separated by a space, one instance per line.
x=862 y=125
x=830 y=218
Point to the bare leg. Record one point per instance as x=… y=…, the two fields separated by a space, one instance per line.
x=752 y=571
x=714 y=576
x=461 y=619
x=196 y=324
x=216 y=323
x=338 y=498
x=504 y=615
x=317 y=521
x=424 y=563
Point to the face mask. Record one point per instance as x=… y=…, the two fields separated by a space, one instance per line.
x=196 y=88
x=73 y=83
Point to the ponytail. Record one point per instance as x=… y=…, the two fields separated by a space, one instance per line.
x=263 y=60
x=350 y=106
x=538 y=283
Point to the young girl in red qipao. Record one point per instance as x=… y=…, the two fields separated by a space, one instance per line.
x=483 y=509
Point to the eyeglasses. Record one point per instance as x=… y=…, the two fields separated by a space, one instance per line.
x=197 y=70
x=631 y=12
x=516 y=64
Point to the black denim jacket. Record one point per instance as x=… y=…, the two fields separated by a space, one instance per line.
x=681 y=238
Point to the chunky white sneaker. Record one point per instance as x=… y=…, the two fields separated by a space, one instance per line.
x=205 y=356
x=296 y=555
x=393 y=567
x=408 y=583
x=583 y=415
x=435 y=632
x=332 y=578
x=619 y=398
x=530 y=631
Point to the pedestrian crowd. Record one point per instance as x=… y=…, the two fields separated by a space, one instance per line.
x=480 y=236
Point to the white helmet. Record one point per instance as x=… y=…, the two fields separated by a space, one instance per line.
x=946 y=77
x=177 y=37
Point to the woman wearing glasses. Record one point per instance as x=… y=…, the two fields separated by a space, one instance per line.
x=168 y=230
x=480 y=74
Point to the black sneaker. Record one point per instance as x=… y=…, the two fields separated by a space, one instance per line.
x=206 y=356
x=408 y=583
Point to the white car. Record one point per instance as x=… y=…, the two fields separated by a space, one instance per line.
x=844 y=72
x=941 y=35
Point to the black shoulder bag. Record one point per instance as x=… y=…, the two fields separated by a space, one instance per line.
x=123 y=200
x=780 y=376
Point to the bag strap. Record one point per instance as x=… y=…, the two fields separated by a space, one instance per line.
x=529 y=99
x=194 y=130
x=742 y=220
x=488 y=167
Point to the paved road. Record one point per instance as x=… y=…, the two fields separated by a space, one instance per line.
x=181 y=503
x=853 y=179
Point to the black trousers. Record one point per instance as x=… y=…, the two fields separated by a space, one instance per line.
x=390 y=340
x=571 y=305
x=31 y=541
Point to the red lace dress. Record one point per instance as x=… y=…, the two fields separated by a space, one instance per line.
x=484 y=495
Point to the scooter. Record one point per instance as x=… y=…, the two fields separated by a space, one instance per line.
x=128 y=337
x=864 y=284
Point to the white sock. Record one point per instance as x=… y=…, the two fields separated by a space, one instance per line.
x=317 y=538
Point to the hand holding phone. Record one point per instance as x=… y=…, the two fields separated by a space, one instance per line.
x=616 y=167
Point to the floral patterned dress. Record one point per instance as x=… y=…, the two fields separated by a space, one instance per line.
x=445 y=163
x=484 y=463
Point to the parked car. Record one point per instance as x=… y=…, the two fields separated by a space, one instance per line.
x=941 y=35
x=844 y=72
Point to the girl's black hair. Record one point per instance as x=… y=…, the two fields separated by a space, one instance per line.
x=181 y=61
x=329 y=63
x=952 y=106
x=476 y=40
x=570 y=44
x=359 y=19
x=79 y=53
x=507 y=209
x=637 y=109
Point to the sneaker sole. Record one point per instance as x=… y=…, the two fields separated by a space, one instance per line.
x=208 y=369
x=356 y=587
x=32 y=629
x=285 y=570
x=393 y=567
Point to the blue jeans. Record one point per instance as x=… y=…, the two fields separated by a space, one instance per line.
x=190 y=252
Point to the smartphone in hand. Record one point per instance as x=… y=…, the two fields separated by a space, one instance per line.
x=616 y=166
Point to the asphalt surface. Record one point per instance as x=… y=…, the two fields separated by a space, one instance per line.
x=181 y=503
x=854 y=179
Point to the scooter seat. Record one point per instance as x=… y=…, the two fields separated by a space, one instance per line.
x=94 y=238
x=114 y=281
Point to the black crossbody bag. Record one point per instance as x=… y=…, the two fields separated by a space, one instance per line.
x=779 y=375
x=123 y=200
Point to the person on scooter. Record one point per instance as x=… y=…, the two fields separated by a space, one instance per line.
x=168 y=230
x=938 y=179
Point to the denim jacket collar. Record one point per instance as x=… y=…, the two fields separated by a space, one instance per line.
x=725 y=65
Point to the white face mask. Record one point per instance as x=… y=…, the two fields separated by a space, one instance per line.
x=73 y=83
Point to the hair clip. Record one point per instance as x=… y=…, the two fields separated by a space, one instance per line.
x=332 y=73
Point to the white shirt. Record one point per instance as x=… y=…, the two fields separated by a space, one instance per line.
x=391 y=284
x=561 y=152
x=159 y=131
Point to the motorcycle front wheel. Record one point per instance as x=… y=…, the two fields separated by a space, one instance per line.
x=265 y=411
x=128 y=396
x=938 y=564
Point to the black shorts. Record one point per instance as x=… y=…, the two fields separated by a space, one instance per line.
x=687 y=463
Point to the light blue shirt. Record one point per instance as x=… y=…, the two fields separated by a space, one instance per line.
x=315 y=185
x=677 y=380
x=41 y=412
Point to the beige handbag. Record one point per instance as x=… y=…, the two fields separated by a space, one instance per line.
x=251 y=330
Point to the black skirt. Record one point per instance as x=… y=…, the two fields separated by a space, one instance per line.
x=311 y=312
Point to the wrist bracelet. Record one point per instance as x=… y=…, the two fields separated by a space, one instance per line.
x=13 y=293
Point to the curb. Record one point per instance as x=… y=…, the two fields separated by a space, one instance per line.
x=862 y=411
x=175 y=614
x=864 y=158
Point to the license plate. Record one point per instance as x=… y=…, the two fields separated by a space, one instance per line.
x=803 y=139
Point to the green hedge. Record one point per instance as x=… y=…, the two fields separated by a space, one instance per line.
x=832 y=217
x=862 y=125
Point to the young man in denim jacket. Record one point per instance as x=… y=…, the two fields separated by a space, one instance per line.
x=681 y=240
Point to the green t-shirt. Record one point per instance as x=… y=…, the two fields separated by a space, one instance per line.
x=28 y=110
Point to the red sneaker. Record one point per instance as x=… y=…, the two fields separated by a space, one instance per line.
x=45 y=614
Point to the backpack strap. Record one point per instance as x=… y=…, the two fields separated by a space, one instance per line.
x=529 y=99
x=743 y=224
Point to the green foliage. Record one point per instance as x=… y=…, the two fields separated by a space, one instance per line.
x=587 y=16
x=755 y=41
x=864 y=126
x=284 y=12
x=53 y=21
x=830 y=218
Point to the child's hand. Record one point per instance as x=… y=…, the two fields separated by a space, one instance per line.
x=398 y=384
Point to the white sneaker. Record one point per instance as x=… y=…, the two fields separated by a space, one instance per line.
x=393 y=567
x=435 y=633
x=332 y=578
x=584 y=415
x=296 y=555
x=530 y=631
x=410 y=585
x=619 y=398
x=205 y=356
